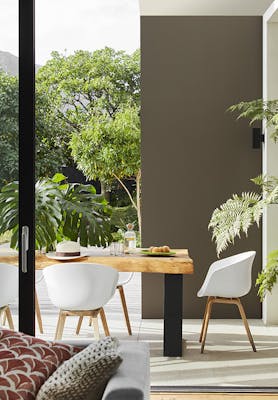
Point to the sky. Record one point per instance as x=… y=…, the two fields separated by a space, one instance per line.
x=68 y=25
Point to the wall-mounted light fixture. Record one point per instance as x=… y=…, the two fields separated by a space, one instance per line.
x=258 y=138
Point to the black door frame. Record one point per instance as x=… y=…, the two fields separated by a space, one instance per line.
x=27 y=162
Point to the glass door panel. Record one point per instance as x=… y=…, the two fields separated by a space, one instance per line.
x=9 y=163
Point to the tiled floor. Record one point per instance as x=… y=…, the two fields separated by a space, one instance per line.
x=228 y=359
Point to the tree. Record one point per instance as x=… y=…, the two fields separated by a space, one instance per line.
x=52 y=138
x=238 y=213
x=8 y=127
x=109 y=148
x=96 y=96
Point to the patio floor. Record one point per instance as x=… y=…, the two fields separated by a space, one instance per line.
x=228 y=359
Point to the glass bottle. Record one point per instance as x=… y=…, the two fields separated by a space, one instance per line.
x=130 y=238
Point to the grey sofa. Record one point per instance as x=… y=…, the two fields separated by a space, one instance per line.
x=132 y=379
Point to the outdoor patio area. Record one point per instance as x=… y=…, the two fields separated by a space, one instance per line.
x=228 y=359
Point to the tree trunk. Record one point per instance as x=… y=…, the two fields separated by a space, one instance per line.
x=137 y=204
x=104 y=192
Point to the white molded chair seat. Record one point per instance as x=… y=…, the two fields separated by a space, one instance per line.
x=8 y=290
x=229 y=277
x=124 y=278
x=80 y=289
x=227 y=280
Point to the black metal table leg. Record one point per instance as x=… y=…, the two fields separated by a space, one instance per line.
x=173 y=287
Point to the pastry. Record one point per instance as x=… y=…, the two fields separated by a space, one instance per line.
x=161 y=249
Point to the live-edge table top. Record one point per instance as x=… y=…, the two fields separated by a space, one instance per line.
x=181 y=263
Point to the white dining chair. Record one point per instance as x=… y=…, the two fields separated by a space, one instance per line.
x=124 y=278
x=80 y=289
x=227 y=280
x=8 y=291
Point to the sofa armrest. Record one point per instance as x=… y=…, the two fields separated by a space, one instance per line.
x=132 y=379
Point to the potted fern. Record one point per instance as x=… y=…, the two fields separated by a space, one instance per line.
x=238 y=213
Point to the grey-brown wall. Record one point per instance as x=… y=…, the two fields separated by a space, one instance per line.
x=194 y=153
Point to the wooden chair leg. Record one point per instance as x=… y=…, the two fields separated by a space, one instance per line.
x=60 y=325
x=104 y=322
x=4 y=318
x=244 y=319
x=96 y=328
x=79 y=325
x=122 y=294
x=38 y=313
x=203 y=323
x=9 y=318
x=206 y=322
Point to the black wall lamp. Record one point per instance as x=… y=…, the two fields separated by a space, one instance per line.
x=258 y=138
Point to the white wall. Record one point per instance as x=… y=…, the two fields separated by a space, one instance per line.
x=270 y=154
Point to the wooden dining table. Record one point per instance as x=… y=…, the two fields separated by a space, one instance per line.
x=173 y=268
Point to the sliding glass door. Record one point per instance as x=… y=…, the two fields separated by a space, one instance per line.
x=9 y=163
x=17 y=200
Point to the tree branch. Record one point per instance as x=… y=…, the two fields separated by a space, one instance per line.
x=127 y=191
x=68 y=121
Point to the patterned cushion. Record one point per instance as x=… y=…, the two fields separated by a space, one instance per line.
x=85 y=375
x=26 y=362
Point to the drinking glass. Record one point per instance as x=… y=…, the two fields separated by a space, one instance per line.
x=116 y=249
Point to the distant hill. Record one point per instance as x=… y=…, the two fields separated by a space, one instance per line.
x=9 y=63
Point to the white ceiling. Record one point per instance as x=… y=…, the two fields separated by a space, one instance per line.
x=204 y=7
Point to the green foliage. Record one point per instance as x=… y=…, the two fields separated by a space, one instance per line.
x=9 y=211
x=8 y=127
x=109 y=147
x=85 y=216
x=48 y=212
x=236 y=215
x=268 y=184
x=63 y=210
x=95 y=98
x=118 y=236
x=121 y=216
x=258 y=110
x=268 y=277
x=86 y=84
x=52 y=137
x=6 y=237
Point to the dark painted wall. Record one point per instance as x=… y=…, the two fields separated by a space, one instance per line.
x=194 y=153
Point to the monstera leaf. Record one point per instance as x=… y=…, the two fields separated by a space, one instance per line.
x=63 y=210
x=48 y=212
x=9 y=211
x=85 y=216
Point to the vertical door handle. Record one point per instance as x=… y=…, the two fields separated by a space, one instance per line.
x=24 y=248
